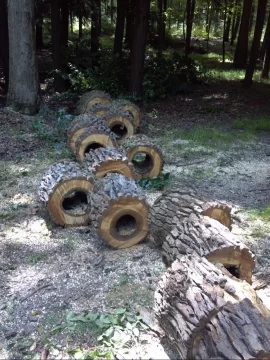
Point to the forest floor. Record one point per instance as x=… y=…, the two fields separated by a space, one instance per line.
x=48 y=272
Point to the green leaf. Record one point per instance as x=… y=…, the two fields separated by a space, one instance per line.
x=109 y=333
x=120 y=311
x=57 y=330
x=70 y=315
x=79 y=318
x=92 y=317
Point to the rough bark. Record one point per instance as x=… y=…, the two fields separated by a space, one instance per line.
x=241 y=51
x=58 y=184
x=255 y=48
x=23 y=87
x=121 y=124
x=175 y=206
x=107 y=160
x=138 y=46
x=266 y=39
x=208 y=314
x=152 y=164
x=100 y=109
x=95 y=26
x=208 y=238
x=129 y=107
x=4 y=48
x=119 y=211
x=190 y=8
x=120 y=26
x=91 y=98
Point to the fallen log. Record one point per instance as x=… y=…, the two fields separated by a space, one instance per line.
x=207 y=313
x=145 y=155
x=174 y=205
x=121 y=124
x=64 y=190
x=103 y=161
x=129 y=107
x=209 y=238
x=91 y=98
x=119 y=211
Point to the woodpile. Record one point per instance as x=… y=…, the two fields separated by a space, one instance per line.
x=129 y=107
x=145 y=155
x=90 y=99
x=100 y=109
x=119 y=211
x=121 y=124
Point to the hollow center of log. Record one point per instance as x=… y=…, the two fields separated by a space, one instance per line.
x=234 y=270
x=93 y=146
x=126 y=225
x=119 y=130
x=75 y=203
x=142 y=162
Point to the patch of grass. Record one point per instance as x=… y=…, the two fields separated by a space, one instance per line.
x=260 y=124
x=34 y=258
x=261 y=214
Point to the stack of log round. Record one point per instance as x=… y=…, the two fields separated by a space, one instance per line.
x=91 y=98
x=121 y=124
x=130 y=108
x=96 y=135
x=207 y=313
x=108 y=160
x=100 y=109
x=119 y=211
x=64 y=189
x=145 y=156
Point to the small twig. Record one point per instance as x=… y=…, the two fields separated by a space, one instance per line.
x=35 y=291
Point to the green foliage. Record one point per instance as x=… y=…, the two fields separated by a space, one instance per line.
x=155 y=183
x=252 y=126
x=262 y=214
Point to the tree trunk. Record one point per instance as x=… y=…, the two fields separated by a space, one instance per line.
x=59 y=82
x=266 y=39
x=71 y=21
x=228 y=22
x=111 y=11
x=251 y=19
x=255 y=48
x=120 y=26
x=95 y=32
x=64 y=22
x=4 y=48
x=236 y=21
x=138 y=46
x=23 y=76
x=80 y=24
x=162 y=5
x=39 y=33
x=207 y=313
x=130 y=12
x=224 y=33
x=190 y=15
x=266 y=63
x=241 y=51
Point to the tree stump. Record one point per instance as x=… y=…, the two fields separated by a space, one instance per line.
x=145 y=156
x=97 y=135
x=129 y=107
x=101 y=109
x=208 y=314
x=209 y=238
x=119 y=211
x=78 y=126
x=121 y=124
x=91 y=98
x=174 y=205
x=64 y=189
x=108 y=160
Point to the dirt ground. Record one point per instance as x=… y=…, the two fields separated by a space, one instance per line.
x=46 y=270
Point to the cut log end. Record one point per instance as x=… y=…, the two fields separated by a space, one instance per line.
x=101 y=109
x=121 y=124
x=129 y=108
x=92 y=98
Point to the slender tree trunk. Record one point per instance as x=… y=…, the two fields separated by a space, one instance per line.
x=23 y=87
x=254 y=53
x=120 y=26
x=207 y=16
x=184 y=27
x=251 y=18
x=131 y=5
x=59 y=82
x=161 y=34
x=39 y=33
x=235 y=21
x=80 y=24
x=228 y=22
x=224 y=33
x=95 y=26
x=138 y=46
x=241 y=51
x=190 y=15
x=4 y=50
x=111 y=11
x=64 y=21
x=71 y=21
x=266 y=63
x=266 y=39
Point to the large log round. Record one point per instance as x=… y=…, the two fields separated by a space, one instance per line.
x=121 y=124
x=97 y=135
x=209 y=238
x=64 y=189
x=91 y=98
x=101 y=109
x=103 y=161
x=174 y=205
x=78 y=126
x=119 y=211
x=208 y=314
x=145 y=156
x=130 y=108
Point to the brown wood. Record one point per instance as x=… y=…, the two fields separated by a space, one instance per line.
x=153 y=163
x=121 y=124
x=97 y=134
x=91 y=98
x=206 y=313
x=129 y=107
x=119 y=211
x=100 y=109
x=61 y=190
x=107 y=160
x=175 y=206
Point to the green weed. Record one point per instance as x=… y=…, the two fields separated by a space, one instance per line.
x=155 y=183
x=262 y=214
x=252 y=126
x=34 y=258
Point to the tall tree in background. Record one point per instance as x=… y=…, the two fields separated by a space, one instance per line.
x=23 y=87
x=266 y=39
x=162 y=7
x=236 y=20
x=120 y=26
x=4 y=40
x=39 y=23
x=241 y=51
x=95 y=25
x=64 y=5
x=255 y=48
x=138 y=46
x=190 y=8
x=130 y=16
x=266 y=51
